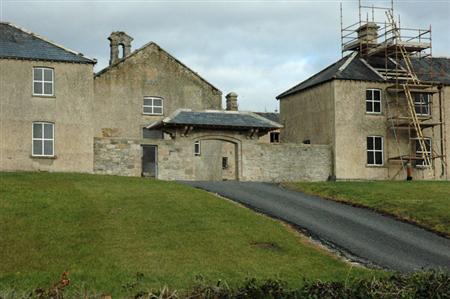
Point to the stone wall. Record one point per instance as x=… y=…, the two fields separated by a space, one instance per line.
x=249 y=159
x=286 y=162
x=117 y=156
x=119 y=92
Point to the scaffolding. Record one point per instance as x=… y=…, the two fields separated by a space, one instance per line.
x=389 y=50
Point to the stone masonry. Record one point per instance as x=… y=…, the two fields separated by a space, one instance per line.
x=255 y=161
x=117 y=156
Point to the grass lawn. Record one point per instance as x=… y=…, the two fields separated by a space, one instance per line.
x=424 y=203
x=105 y=229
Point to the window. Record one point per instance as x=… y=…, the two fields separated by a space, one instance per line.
x=274 y=137
x=43 y=139
x=224 y=162
x=197 y=148
x=422 y=103
x=375 y=150
x=373 y=101
x=153 y=106
x=42 y=81
x=419 y=152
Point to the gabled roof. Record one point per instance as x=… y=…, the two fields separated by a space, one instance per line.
x=216 y=119
x=160 y=49
x=18 y=43
x=273 y=116
x=353 y=67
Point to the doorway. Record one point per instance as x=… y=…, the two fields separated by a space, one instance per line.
x=216 y=160
x=149 y=161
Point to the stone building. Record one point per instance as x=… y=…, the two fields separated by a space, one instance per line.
x=158 y=118
x=360 y=107
x=46 y=104
x=146 y=114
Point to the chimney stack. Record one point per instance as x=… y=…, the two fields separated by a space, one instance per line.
x=119 y=39
x=232 y=104
x=368 y=34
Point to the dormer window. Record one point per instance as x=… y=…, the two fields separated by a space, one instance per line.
x=43 y=81
x=153 y=106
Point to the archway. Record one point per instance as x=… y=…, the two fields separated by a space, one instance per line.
x=219 y=159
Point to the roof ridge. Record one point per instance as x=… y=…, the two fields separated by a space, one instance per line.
x=313 y=76
x=48 y=41
x=347 y=62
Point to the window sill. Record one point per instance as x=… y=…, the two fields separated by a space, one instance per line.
x=152 y=114
x=43 y=157
x=375 y=113
x=43 y=96
x=375 y=166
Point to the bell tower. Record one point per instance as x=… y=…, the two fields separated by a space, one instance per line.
x=119 y=39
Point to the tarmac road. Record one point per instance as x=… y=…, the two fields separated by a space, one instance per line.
x=362 y=235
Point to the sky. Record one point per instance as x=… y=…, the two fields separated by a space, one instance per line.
x=257 y=49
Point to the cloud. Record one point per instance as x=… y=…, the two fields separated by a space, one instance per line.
x=255 y=48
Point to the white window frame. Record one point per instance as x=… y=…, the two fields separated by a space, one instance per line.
x=152 y=106
x=197 y=152
x=373 y=101
x=43 y=81
x=419 y=153
x=42 y=123
x=373 y=151
x=422 y=104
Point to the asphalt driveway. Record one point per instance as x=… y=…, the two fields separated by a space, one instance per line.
x=361 y=234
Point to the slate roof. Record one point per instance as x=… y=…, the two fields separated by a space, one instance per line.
x=217 y=119
x=17 y=43
x=352 y=67
x=273 y=116
x=440 y=69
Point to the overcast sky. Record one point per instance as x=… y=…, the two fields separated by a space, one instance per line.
x=256 y=48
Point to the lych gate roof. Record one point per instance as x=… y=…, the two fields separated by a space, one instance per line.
x=17 y=43
x=273 y=116
x=217 y=119
x=353 y=67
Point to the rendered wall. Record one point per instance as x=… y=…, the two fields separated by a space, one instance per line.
x=353 y=125
x=309 y=115
x=70 y=110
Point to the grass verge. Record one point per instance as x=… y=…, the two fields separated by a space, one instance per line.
x=105 y=229
x=424 y=203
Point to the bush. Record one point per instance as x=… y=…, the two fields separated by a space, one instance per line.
x=431 y=284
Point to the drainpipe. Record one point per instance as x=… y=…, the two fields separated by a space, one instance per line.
x=441 y=129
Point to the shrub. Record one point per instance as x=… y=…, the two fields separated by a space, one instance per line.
x=431 y=284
